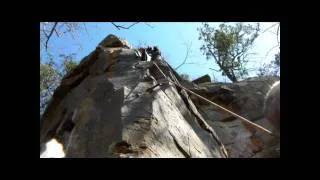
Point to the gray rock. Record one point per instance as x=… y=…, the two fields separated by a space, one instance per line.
x=114 y=41
x=202 y=79
x=107 y=107
x=245 y=98
x=114 y=104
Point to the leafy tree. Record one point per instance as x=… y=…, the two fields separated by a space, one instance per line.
x=50 y=77
x=271 y=69
x=68 y=64
x=228 y=46
x=49 y=81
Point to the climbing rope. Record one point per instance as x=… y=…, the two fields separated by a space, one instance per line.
x=224 y=109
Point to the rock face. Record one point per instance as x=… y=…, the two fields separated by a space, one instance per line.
x=113 y=41
x=272 y=105
x=202 y=79
x=117 y=103
x=245 y=98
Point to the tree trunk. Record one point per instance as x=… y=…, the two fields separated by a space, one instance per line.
x=230 y=75
x=234 y=79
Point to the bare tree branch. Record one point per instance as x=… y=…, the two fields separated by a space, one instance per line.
x=214 y=69
x=48 y=37
x=44 y=32
x=270 y=51
x=214 y=56
x=43 y=29
x=132 y=25
x=188 y=46
x=119 y=26
x=85 y=28
x=149 y=25
x=115 y=25
x=55 y=30
x=269 y=28
x=278 y=34
x=72 y=35
x=278 y=45
x=196 y=63
x=42 y=39
x=252 y=69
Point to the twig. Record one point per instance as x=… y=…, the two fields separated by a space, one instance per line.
x=187 y=55
x=269 y=28
x=48 y=37
x=119 y=26
x=85 y=28
x=191 y=63
x=56 y=33
x=149 y=25
x=270 y=51
x=44 y=32
x=188 y=47
x=115 y=25
x=214 y=69
x=278 y=35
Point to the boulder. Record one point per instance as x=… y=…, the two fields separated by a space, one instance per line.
x=202 y=79
x=245 y=98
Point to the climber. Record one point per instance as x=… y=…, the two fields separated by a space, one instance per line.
x=272 y=105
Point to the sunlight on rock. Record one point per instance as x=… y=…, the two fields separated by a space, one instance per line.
x=53 y=150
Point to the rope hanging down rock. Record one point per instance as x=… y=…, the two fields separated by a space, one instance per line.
x=224 y=109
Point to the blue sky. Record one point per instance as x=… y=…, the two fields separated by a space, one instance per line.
x=169 y=37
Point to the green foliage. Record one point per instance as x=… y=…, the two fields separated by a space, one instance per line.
x=50 y=77
x=68 y=63
x=271 y=69
x=185 y=77
x=229 y=46
x=49 y=81
x=277 y=60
